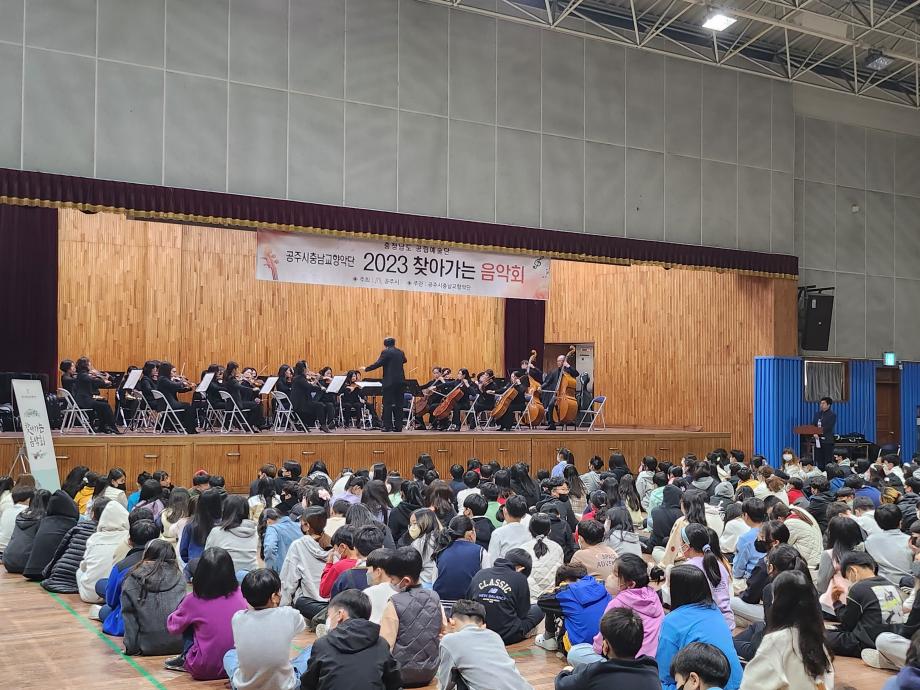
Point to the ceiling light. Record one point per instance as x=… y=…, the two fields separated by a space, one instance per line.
x=877 y=61
x=718 y=21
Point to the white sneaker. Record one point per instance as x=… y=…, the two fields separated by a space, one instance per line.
x=547 y=643
x=320 y=630
x=871 y=657
x=94 y=611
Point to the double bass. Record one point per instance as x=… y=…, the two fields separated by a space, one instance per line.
x=566 y=406
x=534 y=412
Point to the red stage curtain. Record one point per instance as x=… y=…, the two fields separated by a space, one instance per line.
x=28 y=290
x=34 y=188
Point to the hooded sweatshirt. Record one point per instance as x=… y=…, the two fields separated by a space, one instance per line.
x=101 y=550
x=723 y=496
x=398 y=522
x=707 y=484
x=241 y=542
x=644 y=485
x=146 y=602
x=505 y=594
x=665 y=515
x=352 y=655
x=302 y=570
x=645 y=602
x=16 y=553
x=61 y=516
x=583 y=603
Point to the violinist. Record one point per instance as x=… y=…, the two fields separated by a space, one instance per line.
x=232 y=381
x=469 y=389
x=327 y=399
x=432 y=397
x=68 y=375
x=303 y=393
x=84 y=387
x=251 y=384
x=551 y=383
x=127 y=400
x=285 y=378
x=518 y=404
x=215 y=387
x=149 y=374
x=170 y=384
x=353 y=400
x=486 y=385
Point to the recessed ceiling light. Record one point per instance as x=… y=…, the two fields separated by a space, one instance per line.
x=877 y=61
x=718 y=21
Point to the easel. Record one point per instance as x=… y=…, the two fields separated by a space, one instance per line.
x=21 y=460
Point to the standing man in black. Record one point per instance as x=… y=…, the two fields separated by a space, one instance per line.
x=551 y=383
x=825 y=418
x=392 y=360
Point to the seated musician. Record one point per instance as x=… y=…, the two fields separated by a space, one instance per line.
x=303 y=392
x=327 y=399
x=551 y=383
x=353 y=400
x=506 y=421
x=486 y=384
x=441 y=389
x=428 y=389
x=250 y=383
x=469 y=390
x=127 y=400
x=68 y=375
x=252 y=409
x=285 y=379
x=531 y=371
x=170 y=384
x=85 y=386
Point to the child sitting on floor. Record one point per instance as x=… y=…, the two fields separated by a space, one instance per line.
x=262 y=637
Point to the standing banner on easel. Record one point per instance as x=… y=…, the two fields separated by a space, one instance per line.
x=36 y=433
x=295 y=257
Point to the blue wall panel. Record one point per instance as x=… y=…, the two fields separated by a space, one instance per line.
x=910 y=399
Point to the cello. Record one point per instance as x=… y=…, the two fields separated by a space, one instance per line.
x=534 y=412
x=420 y=404
x=446 y=407
x=504 y=400
x=566 y=405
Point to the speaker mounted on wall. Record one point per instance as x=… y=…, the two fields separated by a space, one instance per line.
x=816 y=309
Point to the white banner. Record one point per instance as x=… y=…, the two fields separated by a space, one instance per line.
x=294 y=257
x=36 y=433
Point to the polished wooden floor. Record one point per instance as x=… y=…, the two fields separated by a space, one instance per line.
x=47 y=641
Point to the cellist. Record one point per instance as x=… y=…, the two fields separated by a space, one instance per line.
x=551 y=383
x=506 y=421
x=486 y=385
x=466 y=385
x=429 y=390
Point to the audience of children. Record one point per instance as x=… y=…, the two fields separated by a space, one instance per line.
x=437 y=605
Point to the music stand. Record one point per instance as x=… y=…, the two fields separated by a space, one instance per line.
x=335 y=385
x=205 y=382
x=131 y=382
x=268 y=385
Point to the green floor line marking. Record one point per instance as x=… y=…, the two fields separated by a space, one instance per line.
x=105 y=638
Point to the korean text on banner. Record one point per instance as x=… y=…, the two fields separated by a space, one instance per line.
x=36 y=433
x=303 y=258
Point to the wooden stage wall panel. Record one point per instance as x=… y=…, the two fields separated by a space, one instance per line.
x=132 y=290
x=238 y=457
x=672 y=348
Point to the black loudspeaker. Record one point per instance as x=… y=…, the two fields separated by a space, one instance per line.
x=815 y=322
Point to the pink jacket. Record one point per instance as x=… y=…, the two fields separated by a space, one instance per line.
x=645 y=602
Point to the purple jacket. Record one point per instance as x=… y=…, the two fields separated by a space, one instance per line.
x=645 y=602
x=210 y=620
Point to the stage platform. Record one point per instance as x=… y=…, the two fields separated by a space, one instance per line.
x=238 y=456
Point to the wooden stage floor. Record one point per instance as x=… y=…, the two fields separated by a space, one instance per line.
x=238 y=456
x=47 y=641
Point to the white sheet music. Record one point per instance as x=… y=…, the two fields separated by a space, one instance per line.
x=336 y=384
x=133 y=378
x=205 y=382
x=269 y=384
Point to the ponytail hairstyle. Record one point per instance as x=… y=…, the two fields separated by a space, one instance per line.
x=632 y=568
x=598 y=501
x=264 y=517
x=693 y=503
x=700 y=539
x=456 y=530
x=539 y=527
x=784 y=558
x=628 y=494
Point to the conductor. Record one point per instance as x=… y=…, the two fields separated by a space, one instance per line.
x=394 y=384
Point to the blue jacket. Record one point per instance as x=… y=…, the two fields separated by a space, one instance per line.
x=189 y=549
x=278 y=539
x=583 y=604
x=114 y=624
x=871 y=492
x=457 y=566
x=746 y=556
x=133 y=500
x=695 y=623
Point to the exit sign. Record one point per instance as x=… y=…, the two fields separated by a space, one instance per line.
x=891 y=359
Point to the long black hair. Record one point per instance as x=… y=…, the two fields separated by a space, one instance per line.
x=689 y=585
x=38 y=505
x=611 y=487
x=701 y=538
x=456 y=530
x=843 y=535
x=693 y=503
x=178 y=505
x=264 y=517
x=573 y=479
x=376 y=498
x=795 y=605
x=540 y=526
x=784 y=557
x=235 y=510
x=411 y=494
x=626 y=490
x=159 y=557
x=207 y=515
x=214 y=575
x=73 y=482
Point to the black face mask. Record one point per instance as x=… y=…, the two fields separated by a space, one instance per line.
x=121 y=486
x=761 y=546
x=564 y=497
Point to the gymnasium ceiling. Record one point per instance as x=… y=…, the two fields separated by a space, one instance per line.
x=823 y=43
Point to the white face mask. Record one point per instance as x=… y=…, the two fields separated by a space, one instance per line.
x=414 y=531
x=787 y=457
